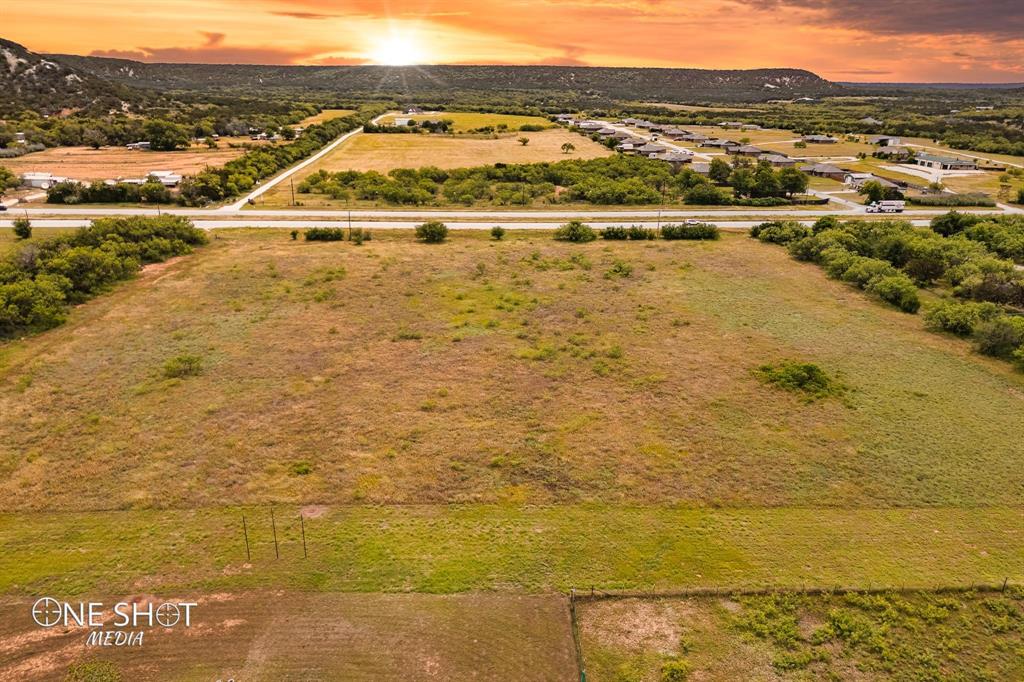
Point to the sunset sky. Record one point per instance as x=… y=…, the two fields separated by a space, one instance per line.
x=867 y=40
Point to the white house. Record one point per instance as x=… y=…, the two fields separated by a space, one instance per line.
x=165 y=177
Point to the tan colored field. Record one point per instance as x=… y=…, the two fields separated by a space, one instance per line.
x=326 y=115
x=470 y=120
x=279 y=635
x=106 y=163
x=389 y=151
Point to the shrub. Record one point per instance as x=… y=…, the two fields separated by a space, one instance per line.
x=898 y=290
x=800 y=377
x=638 y=232
x=691 y=231
x=324 y=234
x=185 y=365
x=1018 y=358
x=675 y=670
x=295 y=234
x=302 y=468
x=780 y=231
x=953 y=223
x=1020 y=196
x=960 y=318
x=93 y=671
x=575 y=231
x=619 y=269
x=432 y=232
x=498 y=232
x=969 y=199
x=1000 y=337
x=862 y=270
x=22 y=228
x=825 y=222
x=615 y=232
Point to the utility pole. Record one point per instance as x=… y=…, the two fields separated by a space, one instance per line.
x=291 y=182
x=245 y=532
x=273 y=525
x=302 y=525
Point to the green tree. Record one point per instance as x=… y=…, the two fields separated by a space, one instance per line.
x=22 y=228
x=524 y=141
x=498 y=232
x=793 y=181
x=719 y=171
x=742 y=181
x=8 y=180
x=165 y=135
x=568 y=147
x=94 y=138
x=873 y=191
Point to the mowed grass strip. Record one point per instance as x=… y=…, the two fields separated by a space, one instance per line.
x=522 y=371
x=275 y=635
x=444 y=549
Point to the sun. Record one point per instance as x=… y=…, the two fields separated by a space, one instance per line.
x=397 y=49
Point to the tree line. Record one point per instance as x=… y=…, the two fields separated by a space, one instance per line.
x=628 y=180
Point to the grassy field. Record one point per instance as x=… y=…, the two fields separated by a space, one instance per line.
x=275 y=635
x=386 y=152
x=479 y=371
x=498 y=420
x=902 y=637
x=85 y=163
x=443 y=549
x=467 y=121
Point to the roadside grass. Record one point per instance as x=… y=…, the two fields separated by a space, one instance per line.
x=9 y=242
x=272 y=635
x=465 y=121
x=468 y=548
x=893 y=636
x=559 y=385
x=385 y=152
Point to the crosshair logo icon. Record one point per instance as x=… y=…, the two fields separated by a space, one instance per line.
x=167 y=614
x=47 y=612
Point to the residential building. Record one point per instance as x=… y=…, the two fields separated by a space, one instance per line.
x=944 y=162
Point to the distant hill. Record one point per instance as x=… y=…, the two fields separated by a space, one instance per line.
x=32 y=81
x=596 y=82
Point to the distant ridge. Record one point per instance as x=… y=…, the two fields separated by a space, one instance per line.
x=650 y=84
x=33 y=81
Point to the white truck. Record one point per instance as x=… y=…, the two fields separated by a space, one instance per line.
x=887 y=206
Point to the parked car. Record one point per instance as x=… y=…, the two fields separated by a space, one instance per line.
x=3 y=207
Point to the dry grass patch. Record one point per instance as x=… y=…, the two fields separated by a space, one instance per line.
x=297 y=636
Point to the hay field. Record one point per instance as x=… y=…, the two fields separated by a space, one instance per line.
x=386 y=152
x=326 y=115
x=105 y=163
x=465 y=121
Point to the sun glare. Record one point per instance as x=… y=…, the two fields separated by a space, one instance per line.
x=397 y=49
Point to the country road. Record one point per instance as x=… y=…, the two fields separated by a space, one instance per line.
x=280 y=177
x=216 y=222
